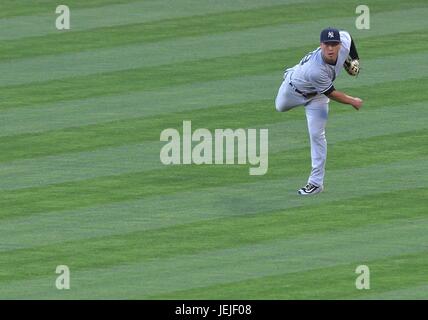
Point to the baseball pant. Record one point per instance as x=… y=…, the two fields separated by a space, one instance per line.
x=316 y=110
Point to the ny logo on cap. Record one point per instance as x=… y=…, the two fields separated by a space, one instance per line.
x=330 y=34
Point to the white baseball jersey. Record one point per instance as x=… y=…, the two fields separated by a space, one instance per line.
x=313 y=74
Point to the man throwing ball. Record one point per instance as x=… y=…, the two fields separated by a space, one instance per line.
x=310 y=83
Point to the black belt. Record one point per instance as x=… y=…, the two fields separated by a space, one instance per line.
x=306 y=95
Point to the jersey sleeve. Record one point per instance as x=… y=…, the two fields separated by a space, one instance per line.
x=345 y=38
x=321 y=82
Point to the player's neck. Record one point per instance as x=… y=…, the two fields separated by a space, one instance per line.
x=330 y=63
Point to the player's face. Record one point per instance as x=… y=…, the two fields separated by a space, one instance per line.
x=330 y=51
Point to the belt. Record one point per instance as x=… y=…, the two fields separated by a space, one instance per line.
x=306 y=95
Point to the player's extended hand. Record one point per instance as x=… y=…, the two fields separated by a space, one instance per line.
x=357 y=103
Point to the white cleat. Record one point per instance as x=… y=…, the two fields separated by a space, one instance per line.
x=310 y=189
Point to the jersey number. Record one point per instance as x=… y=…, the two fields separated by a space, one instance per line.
x=307 y=57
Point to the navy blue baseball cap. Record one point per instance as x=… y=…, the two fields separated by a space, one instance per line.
x=330 y=35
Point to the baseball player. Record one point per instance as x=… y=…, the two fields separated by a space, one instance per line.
x=310 y=83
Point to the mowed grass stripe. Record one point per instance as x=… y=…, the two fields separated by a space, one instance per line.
x=148 y=79
x=259 y=113
x=30 y=70
x=286 y=136
x=187 y=97
x=418 y=292
x=160 y=204
x=24 y=240
x=301 y=253
x=142 y=79
x=145 y=157
x=272 y=14
x=284 y=166
x=161 y=30
x=206 y=235
x=401 y=273
x=119 y=13
x=12 y=8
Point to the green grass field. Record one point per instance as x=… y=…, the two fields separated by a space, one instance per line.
x=82 y=184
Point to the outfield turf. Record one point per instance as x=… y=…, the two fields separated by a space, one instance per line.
x=82 y=184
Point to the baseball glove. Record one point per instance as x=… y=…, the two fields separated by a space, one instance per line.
x=352 y=66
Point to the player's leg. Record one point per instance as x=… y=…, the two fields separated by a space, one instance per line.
x=287 y=98
x=317 y=115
